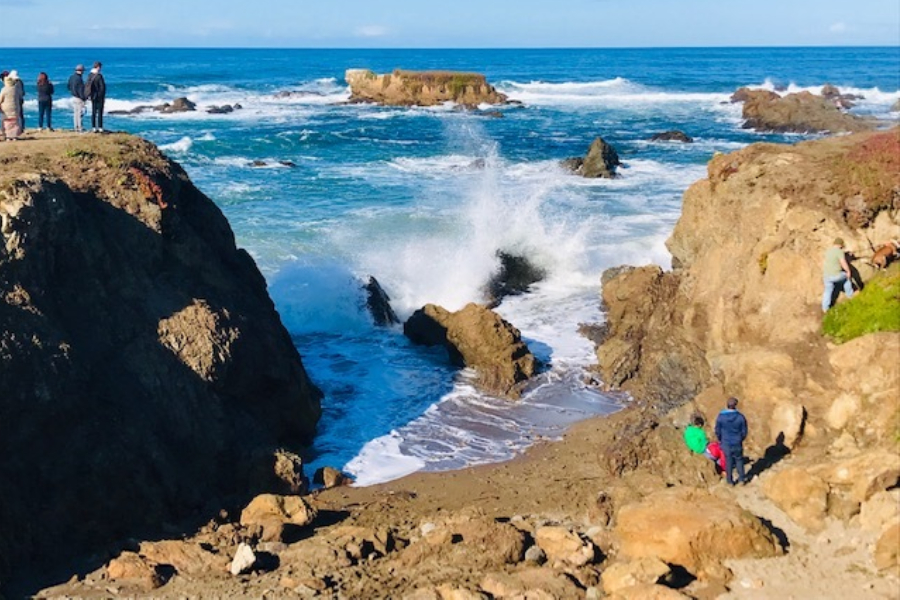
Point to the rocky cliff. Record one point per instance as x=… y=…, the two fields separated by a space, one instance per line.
x=421 y=88
x=739 y=314
x=144 y=368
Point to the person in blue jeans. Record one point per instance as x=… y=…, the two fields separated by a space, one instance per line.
x=835 y=272
x=731 y=429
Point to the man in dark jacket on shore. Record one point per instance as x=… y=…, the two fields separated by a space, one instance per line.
x=95 y=90
x=76 y=88
x=731 y=429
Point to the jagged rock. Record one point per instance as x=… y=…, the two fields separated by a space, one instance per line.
x=479 y=338
x=177 y=105
x=887 y=549
x=800 y=494
x=186 y=558
x=257 y=163
x=637 y=352
x=279 y=517
x=672 y=136
x=863 y=475
x=880 y=510
x=693 y=529
x=329 y=477
x=421 y=88
x=743 y=94
x=288 y=163
x=646 y=570
x=565 y=546
x=379 y=304
x=647 y=591
x=832 y=93
x=516 y=275
x=288 y=470
x=132 y=570
x=244 y=560
x=133 y=334
x=799 y=113
x=220 y=110
x=533 y=582
x=600 y=161
x=786 y=424
x=477 y=541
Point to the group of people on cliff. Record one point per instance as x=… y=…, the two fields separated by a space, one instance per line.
x=727 y=450
x=12 y=100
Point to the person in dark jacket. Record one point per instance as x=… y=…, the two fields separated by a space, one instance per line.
x=45 y=101
x=76 y=88
x=731 y=429
x=95 y=89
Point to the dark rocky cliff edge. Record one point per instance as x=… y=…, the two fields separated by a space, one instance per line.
x=144 y=368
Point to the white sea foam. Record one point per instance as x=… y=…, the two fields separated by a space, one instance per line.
x=382 y=460
x=616 y=92
x=180 y=147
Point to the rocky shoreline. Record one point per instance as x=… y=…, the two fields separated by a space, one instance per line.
x=619 y=508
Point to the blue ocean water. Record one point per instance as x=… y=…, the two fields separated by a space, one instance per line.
x=423 y=199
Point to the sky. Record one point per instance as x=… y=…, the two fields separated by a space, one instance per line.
x=448 y=23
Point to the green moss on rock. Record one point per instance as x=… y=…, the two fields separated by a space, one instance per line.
x=876 y=308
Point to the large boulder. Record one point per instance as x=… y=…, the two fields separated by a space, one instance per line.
x=800 y=494
x=693 y=529
x=421 y=88
x=476 y=337
x=145 y=370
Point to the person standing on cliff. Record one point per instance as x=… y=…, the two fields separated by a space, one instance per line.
x=95 y=89
x=731 y=430
x=11 y=107
x=45 y=101
x=836 y=272
x=76 y=88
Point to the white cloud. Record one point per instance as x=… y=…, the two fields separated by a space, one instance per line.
x=839 y=27
x=371 y=31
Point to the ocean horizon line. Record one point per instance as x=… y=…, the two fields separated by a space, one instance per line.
x=454 y=48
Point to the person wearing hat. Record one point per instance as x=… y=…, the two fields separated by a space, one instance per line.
x=11 y=106
x=95 y=89
x=835 y=274
x=76 y=88
x=14 y=75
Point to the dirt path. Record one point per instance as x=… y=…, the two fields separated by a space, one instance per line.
x=812 y=561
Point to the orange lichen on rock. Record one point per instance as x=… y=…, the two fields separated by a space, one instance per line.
x=148 y=187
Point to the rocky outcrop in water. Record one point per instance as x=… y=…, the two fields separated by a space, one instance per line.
x=145 y=370
x=600 y=161
x=795 y=113
x=421 y=88
x=479 y=338
x=515 y=276
x=379 y=304
x=672 y=136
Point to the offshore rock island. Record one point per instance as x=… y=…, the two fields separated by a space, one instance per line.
x=619 y=508
x=421 y=88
